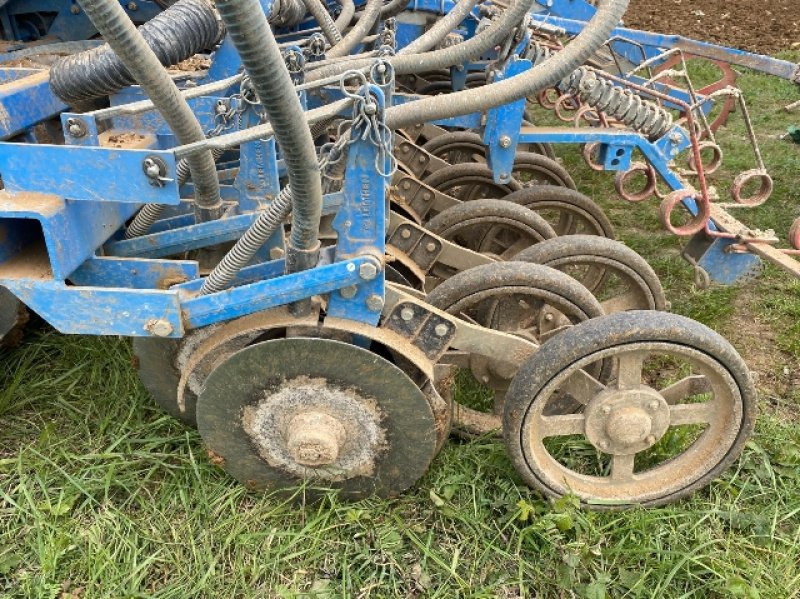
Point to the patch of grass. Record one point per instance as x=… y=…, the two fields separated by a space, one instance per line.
x=101 y=495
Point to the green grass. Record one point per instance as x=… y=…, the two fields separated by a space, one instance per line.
x=101 y=495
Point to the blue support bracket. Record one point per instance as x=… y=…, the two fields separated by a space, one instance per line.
x=89 y=174
x=502 y=126
x=134 y=273
x=25 y=100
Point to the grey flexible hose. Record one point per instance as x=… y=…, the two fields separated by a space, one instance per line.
x=261 y=57
x=547 y=74
x=441 y=28
x=110 y=20
x=446 y=57
x=344 y=18
x=256 y=235
x=360 y=30
x=324 y=20
x=181 y=31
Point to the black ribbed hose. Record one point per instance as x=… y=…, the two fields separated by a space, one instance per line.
x=261 y=57
x=110 y=20
x=181 y=31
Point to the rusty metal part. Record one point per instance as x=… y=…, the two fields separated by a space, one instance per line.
x=711 y=166
x=756 y=198
x=368 y=428
x=13 y=318
x=530 y=301
x=617 y=276
x=568 y=211
x=728 y=79
x=589 y=151
x=707 y=390
x=794 y=234
x=623 y=179
x=674 y=200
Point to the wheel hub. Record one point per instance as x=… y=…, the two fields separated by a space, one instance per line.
x=623 y=422
x=311 y=429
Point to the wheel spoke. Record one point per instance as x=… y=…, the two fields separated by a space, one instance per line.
x=629 y=373
x=622 y=467
x=516 y=247
x=582 y=386
x=686 y=387
x=560 y=425
x=691 y=413
x=622 y=303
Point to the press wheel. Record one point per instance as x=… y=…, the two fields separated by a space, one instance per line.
x=306 y=410
x=617 y=276
x=677 y=412
x=532 y=301
x=568 y=211
x=494 y=227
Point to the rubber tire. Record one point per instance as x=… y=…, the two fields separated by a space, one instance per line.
x=563 y=250
x=547 y=197
x=611 y=331
x=439 y=179
x=447 y=223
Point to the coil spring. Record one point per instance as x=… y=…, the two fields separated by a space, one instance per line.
x=632 y=110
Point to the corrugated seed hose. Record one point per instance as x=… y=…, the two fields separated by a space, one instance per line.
x=110 y=20
x=262 y=59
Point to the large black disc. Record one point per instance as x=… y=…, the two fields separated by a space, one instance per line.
x=288 y=411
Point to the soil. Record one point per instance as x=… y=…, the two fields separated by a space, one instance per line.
x=763 y=27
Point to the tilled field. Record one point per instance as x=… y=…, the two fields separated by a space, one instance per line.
x=763 y=27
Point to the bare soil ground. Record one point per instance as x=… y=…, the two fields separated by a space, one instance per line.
x=763 y=27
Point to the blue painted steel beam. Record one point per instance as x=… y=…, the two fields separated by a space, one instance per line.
x=134 y=273
x=25 y=100
x=87 y=173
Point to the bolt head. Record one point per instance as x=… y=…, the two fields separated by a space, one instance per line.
x=549 y=317
x=606 y=409
x=348 y=292
x=367 y=271
x=653 y=405
x=505 y=141
x=407 y=314
x=441 y=329
x=431 y=247
x=375 y=303
x=75 y=9
x=132 y=6
x=650 y=439
x=405 y=233
x=158 y=327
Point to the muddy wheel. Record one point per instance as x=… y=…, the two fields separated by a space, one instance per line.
x=617 y=276
x=458 y=147
x=676 y=413
x=285 y=412
x=534 y=169
x=13 y=318
x=569 y=212
x=467 y=182
x=533 y=301
x=495 y=227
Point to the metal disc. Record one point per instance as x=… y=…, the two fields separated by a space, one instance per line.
x=287 y=411
x=13 y=316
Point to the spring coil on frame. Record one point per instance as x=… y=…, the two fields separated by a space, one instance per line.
x=632 y=110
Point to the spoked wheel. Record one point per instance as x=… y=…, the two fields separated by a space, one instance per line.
x=677 y=413
x=457 y=147
x=13 y=318
x=307 y=410
x=534 y=169
x=568 y=211
x=495 y=227
x=469 y=182
x=529 y=300
x=617 y=276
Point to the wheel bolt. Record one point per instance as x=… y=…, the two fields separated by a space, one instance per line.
x=653 y=405
x=406 y=314
x=405 y=233
x=606 y=409
x=650 y=439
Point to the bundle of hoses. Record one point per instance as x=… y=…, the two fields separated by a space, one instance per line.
x=185 y=28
